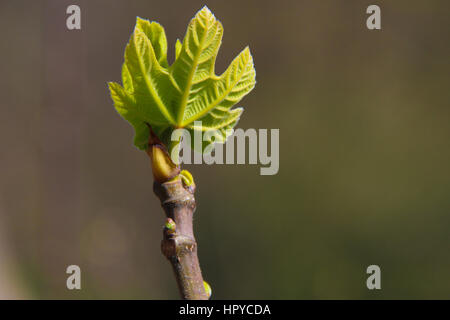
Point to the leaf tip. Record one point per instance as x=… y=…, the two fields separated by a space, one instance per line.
x=205 y=9
x=205 y=13
x=112 y=86
x=140 y=20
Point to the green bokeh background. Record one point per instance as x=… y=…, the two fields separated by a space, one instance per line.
x=364 y=154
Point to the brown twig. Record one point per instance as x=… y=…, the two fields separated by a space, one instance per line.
x=179 y=245
x=177 y=199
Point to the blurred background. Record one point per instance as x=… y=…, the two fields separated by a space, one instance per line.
x=364 y=154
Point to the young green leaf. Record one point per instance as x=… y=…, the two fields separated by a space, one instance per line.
x=178 y=96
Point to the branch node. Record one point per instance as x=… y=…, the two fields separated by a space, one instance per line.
x=178 y=244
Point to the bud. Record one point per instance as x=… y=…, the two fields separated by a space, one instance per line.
x=170 y=224
x=187 y=178
x=207 y=289
x=169 y=227
x=162 y=166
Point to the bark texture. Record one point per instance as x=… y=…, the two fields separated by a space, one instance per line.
x=178 y=244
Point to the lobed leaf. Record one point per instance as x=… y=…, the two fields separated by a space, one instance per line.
x=168 y=97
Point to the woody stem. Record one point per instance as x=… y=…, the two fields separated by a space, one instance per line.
x=179 y=245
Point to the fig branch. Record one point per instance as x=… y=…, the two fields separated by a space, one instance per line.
x=157 y=98
x=175 y=189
